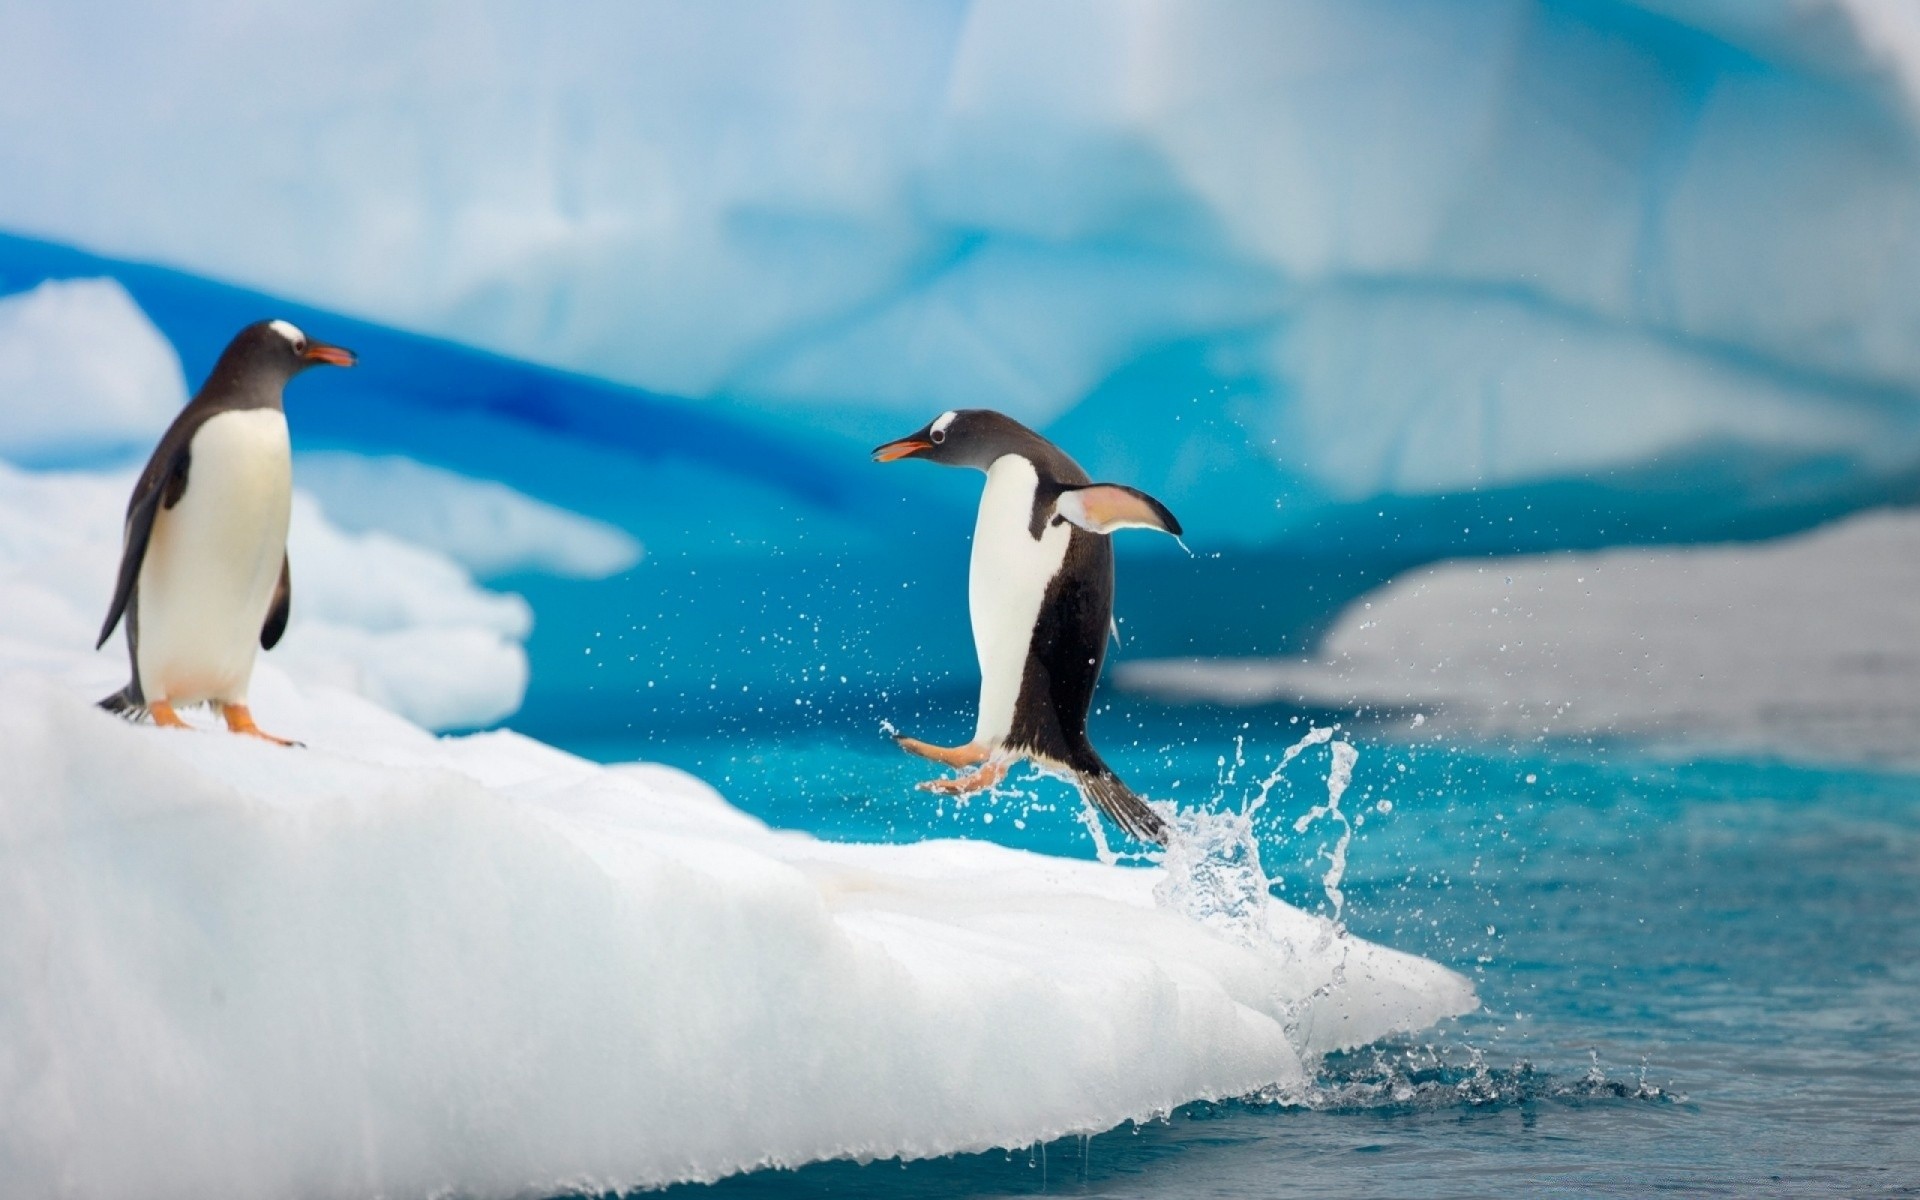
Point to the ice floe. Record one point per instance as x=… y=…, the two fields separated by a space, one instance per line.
x=399 y=965
x=1808 y=646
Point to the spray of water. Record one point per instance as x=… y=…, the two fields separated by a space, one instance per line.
x=1338 y=777
x=1212 y=863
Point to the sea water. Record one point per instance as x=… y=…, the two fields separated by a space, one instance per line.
x=1697 y=974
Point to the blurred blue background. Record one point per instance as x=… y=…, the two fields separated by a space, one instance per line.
x=1352 y=287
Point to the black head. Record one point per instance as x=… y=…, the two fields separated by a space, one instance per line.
x=264 y=355
x=972 y=437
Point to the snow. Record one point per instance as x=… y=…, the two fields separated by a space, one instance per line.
x=406 y=967
x=1807 y=647
x=82 y=372
x=390 y=964
x=1402 y=250
x=397 y=623
x=486 y=527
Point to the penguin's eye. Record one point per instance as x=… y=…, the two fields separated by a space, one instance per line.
x=299 y=345
x=937 y=436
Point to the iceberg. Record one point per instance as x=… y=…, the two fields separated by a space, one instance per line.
x=83 y=373
x=394 y=965
x=486 y=527
x=1352 y=287
x=1802 y=647
x=1273 y=264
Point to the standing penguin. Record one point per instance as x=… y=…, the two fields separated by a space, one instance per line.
x=1040 y=591
x=203 y=565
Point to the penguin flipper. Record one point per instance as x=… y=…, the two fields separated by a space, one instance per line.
x=1106 y=507
x=276 y=624
x=1104 y=791
x=161 y=486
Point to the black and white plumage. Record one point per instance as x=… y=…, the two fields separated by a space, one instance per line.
x=204 y=581
x=1040 y=594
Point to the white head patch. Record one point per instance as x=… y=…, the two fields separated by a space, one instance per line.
x=945 y=419
x=289 y=331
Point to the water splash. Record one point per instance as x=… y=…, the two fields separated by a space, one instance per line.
x=1338 y=777
x=1097 y=828
x=1393 y=1077
x=1213 y=872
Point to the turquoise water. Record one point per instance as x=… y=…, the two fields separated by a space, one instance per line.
x=1697 y=976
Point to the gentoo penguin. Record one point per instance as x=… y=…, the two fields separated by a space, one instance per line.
x=1040 y=591
x=203 y=564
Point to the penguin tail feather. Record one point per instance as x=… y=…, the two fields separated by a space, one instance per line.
x=1114 y=798
x=123 y=703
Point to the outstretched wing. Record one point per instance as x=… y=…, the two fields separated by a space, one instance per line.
x=161 y=486
x=1105 y=507
x=277 y=611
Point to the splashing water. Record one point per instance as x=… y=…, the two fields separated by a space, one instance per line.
x=1338 y=777
x=1213 y=870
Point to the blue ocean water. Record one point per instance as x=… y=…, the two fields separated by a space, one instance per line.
x=1699 y=976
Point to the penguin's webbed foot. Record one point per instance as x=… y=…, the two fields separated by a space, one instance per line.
x=968 y=784
x=164 y=716
x=240 y=720
x=952 y=756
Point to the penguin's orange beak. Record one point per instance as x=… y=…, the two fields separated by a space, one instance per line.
x=333 y=356
x=904 y=448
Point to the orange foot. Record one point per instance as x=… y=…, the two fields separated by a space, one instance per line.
x=241 y=721
x=966 y=785
x=163 y=715
x=952 y=756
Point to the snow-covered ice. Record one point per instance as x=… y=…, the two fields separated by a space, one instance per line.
x=83 y=372
x=397 y=623
x=391 y=964
x=486 y=527
x=1807 y=646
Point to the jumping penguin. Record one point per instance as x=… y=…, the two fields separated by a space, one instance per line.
x=203 y=564
x=1040 y=592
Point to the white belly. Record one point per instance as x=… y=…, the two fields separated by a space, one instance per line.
x=1006 y=583
x=214 y=559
